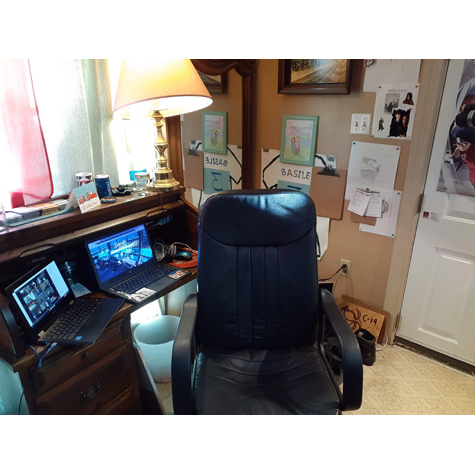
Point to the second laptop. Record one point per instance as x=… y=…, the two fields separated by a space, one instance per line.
x=125 y=265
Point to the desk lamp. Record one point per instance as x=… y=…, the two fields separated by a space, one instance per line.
x=158 y=88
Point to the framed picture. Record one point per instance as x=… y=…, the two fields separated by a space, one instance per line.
x=214 y=127
x=314 y=76
x=299 y=138
x=214 y=84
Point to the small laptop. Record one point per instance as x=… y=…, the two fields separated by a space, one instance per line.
x=45 y=307
x=125 y=265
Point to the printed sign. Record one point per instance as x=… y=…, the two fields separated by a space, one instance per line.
x=86 y=197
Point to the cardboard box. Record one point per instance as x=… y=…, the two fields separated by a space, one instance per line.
x=360 y=314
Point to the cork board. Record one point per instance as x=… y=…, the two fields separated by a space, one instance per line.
x=358 y=314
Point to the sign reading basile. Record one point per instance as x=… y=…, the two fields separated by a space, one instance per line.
x=221 y=173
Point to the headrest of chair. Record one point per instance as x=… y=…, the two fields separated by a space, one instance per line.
x=257 y=217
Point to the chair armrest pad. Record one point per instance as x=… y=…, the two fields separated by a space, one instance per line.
x=183 y=356
x=351 y=353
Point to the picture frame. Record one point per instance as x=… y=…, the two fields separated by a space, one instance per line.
x=314 y=76
x=214 y=130
x=299 y=139
x=215 y=84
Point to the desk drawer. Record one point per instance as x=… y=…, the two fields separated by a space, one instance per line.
x=75 y=359
x=124 y=403
x=90 y=390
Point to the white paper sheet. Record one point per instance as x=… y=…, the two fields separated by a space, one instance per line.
x=323 y=230
x=394 y=111
x=386 y=225
x=372 y=166
x=359 y=202
x=374 y=208
x=391 y=70
x=273 y=171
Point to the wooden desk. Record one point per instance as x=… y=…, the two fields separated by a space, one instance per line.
x=88 y=379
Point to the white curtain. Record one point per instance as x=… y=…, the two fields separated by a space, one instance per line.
x=75 y=108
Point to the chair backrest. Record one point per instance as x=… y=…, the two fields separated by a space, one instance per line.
x=257 y=270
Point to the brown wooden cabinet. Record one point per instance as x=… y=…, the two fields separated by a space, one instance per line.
x=100 y=378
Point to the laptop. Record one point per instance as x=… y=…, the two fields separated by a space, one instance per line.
x=45 y=307
x=125 y=265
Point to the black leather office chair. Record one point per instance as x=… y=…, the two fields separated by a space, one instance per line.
x=251 y=340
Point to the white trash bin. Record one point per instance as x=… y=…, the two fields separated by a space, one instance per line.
x=155 y=338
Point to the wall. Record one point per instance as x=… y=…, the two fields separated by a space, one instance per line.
x=229 y=101
x=370 y=254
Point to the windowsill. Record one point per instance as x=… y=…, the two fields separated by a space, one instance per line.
x=15 y=241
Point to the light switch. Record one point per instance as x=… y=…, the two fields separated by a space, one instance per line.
x=360 y=124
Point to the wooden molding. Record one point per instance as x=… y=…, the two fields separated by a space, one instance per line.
x=430 y=97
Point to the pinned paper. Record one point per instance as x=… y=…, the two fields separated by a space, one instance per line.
x=372 y=166
x=386 y=225
x=374 y=205
x=359 y=202
x=380 y=71
x=394 y=111
x=289 y=175
x=323 y=230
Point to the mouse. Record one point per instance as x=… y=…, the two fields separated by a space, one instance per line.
x=183 y=256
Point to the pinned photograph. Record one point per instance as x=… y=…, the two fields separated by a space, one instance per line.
x=394 y=111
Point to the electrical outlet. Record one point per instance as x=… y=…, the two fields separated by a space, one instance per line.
x=345 y=272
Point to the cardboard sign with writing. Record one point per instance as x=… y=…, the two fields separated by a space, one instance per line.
x=360 y=315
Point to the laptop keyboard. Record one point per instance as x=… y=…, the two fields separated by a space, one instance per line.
x=73 y=319
x=141 y=280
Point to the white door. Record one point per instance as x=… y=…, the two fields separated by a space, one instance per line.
x=438 y=309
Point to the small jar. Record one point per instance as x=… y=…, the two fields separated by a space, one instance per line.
x=142 y=180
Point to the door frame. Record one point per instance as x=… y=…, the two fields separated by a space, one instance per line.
x=430 y=97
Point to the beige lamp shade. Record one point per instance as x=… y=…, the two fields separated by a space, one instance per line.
x=171 y=86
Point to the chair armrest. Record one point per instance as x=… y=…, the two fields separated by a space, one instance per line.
x=183 y=356
x=351 y=353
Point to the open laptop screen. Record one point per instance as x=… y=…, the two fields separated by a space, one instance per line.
x=118 y=253
x=41 y=294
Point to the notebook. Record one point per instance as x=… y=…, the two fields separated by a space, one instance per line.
x=45 y=307
x=125 y=265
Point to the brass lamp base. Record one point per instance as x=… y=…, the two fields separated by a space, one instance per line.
x=163 y=179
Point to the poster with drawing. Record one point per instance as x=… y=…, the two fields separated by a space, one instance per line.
x=372 y=166
x=457 y=174
x=394 y=111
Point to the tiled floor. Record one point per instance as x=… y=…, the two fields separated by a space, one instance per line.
x=402 y=382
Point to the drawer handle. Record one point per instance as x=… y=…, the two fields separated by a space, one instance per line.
x=91 y=391
x=87 y=355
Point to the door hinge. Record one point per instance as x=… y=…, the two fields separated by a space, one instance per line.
x=419 y=204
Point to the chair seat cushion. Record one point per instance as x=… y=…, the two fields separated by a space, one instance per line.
x=263 y=382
